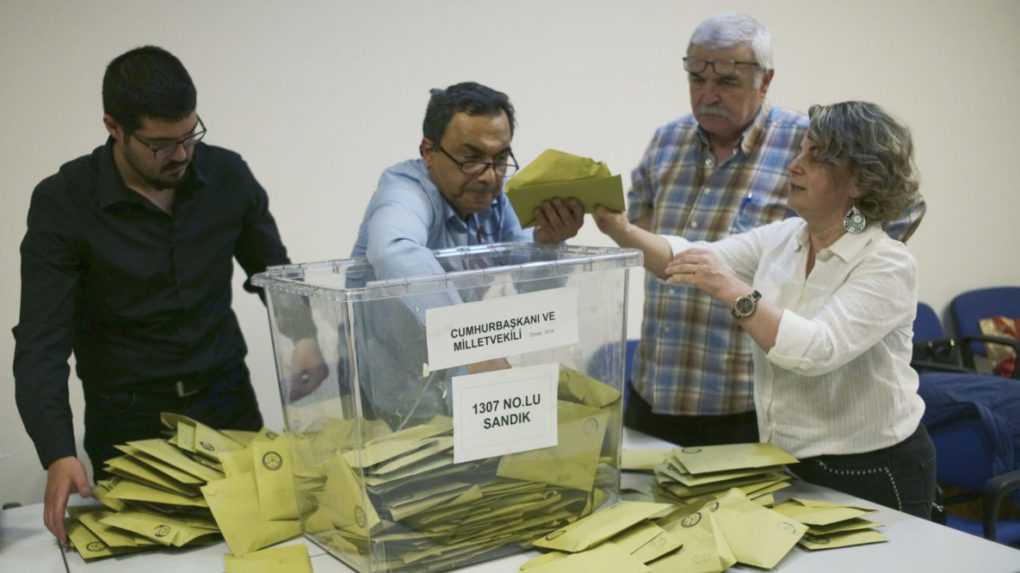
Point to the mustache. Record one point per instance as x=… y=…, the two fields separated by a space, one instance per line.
x=714 y=110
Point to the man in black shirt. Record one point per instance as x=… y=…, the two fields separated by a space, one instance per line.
x=127 y=262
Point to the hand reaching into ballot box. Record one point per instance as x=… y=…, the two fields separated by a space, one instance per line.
x=557 y=220
x=308 y=369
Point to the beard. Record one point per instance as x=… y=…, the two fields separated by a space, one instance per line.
x=166 y=176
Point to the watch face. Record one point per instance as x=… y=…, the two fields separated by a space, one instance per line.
x=745 y=304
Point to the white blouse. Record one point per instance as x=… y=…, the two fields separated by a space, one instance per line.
x=838 y=380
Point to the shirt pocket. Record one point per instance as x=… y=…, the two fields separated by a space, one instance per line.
x=761 y=206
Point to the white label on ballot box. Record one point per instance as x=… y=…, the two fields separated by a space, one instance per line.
x=504 y=411
x=475 y=331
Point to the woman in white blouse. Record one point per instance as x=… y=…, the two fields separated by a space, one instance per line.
x=829 y=299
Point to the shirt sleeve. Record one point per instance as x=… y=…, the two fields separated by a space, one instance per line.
x=878 y=296
x=641 y=197
x=397 y=225
x=51 y=270
x=259 y=247
x=739 y=252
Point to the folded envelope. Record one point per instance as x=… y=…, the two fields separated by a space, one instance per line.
x=163 y=529
x=128 y=467
x=170 y=455
x=88 y=545
x=758 y=536
x=233 y=502
x=605 y=558
x=101 y=491
x=286 y=559
x=704 y=548
x=274 y=478
x=814 y=513
x=643 y=458
x=706 y=459
x=842 y=540
x=842 y=527
x=344 y=500
x=573 y=461
x=558 y=174
x=113 y=537
x=579 y=387
x=598 y=527
x=162 y=467
x=128 y=490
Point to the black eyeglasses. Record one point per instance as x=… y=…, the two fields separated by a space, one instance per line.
x=720 y=67
x=164 y=150
x=502 y=167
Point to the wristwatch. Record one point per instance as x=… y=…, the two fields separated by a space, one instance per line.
x=745 y=306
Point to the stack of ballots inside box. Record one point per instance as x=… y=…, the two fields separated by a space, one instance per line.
x=385 y=500
x=193 y=488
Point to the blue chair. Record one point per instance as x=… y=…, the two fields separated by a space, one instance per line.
x=968 y=309
x=974 y=421
x=933 y=350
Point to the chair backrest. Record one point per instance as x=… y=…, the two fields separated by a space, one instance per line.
x=927 y=325
x=969 y=308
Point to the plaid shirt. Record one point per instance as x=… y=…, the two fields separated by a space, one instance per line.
x=693 y=359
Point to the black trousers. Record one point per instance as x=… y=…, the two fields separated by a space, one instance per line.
x=901 y=476
x=690 y=430
x=120 y=415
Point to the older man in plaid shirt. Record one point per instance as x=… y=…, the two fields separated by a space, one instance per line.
x=719 y=171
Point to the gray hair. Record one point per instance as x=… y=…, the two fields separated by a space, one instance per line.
x=878 y=150
x=729 y=30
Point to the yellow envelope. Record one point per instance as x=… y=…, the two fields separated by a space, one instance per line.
x=542 y=560
x=88 y=545
x=168 y=454
x=286 y=559
x=630 y=540
x=127 y=467
x=344 y=498
x=644 y=459
x=598 y=527
x=433 y=446
x=703 y=546
x=111 y=536
x=842 y=540
x=451 y=499
x=232 y=502
x=842 y=527
x=237 y=462
x=576 y=386
x=159 y=466
x=663 y=543
x=101 y=491
x=242 y=437
x=274 y=479
x=706 y=459
x=128 y=490
x=558 y=174
x=573 y=461
x=812 y=512
x=209 y=442
x=163 y=529
x=758 y=536
x=605 y=558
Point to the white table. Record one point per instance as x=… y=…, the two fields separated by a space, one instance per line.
x=915 y=545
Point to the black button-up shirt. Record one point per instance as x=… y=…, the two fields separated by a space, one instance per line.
x=137 y=293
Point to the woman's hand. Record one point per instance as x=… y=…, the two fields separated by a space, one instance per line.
x=702 y=269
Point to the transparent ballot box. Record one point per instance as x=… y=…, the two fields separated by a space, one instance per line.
x=465 y=412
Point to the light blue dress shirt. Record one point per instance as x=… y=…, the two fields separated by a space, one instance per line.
x=408 y=217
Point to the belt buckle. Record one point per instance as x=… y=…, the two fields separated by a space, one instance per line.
x=182 y=392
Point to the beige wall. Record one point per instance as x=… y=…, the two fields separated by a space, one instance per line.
x=320 y=96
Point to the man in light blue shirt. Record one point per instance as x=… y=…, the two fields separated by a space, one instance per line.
x=451 y=196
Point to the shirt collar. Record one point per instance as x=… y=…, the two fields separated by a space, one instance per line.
x=753 y=134
x=847 y=247
x=112 y=189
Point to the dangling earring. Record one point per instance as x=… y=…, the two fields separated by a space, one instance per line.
x=854 y=221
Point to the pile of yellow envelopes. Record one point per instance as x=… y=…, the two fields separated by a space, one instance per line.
x=635 y=536
x=192 y=488
x=698 y=474
x=831 y=525
x=386 y=500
